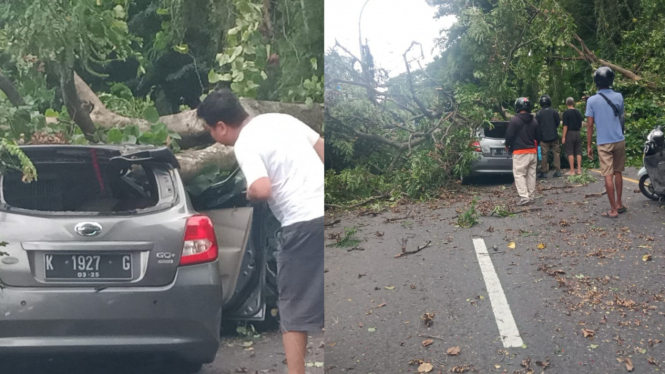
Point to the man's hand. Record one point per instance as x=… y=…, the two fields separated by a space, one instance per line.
x=563 y=141
x=589 y=152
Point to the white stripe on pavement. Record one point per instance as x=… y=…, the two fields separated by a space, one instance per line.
x=504 y=317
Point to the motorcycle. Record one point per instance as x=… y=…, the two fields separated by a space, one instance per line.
x=652 y=174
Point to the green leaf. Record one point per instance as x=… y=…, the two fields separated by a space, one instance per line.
x=119 y=12
x=150 y=114
x=181 y=48
x=146 y=138
x=233 y=31
x=309 y=102
x=240 y=77
x=315 y=65
x=114 y=136
x=129 y=139
x=51 y=113
x=163 y=11
x=523 y=346
x=371 y=329
x=214 y=77
x=264 y=75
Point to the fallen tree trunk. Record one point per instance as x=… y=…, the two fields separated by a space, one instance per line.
x=192 y=130
x=192 y=161
x=187 y=124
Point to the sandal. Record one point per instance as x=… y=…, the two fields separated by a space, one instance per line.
x=623 y=209
x=608 y=215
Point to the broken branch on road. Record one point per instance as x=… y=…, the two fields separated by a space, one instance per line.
x=388 y=220
x=406 y=253
x=599 y=194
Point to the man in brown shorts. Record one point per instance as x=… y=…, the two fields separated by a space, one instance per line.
x=605 y=109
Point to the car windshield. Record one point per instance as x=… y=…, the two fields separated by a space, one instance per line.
x=82 y=184
x=496 y=131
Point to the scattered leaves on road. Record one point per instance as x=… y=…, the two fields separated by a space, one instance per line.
x=428 y=319
x=541 y=246
x=425 y=367
x=544 y=364
x=511 y=245
x=646 y=257
x=390 y=287
x=460 y=369
x=629 y=364
x=588 y=333
x=371 y=329
x=453 y=351
x=428 y=342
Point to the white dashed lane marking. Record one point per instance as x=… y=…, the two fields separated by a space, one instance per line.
x=510 y=335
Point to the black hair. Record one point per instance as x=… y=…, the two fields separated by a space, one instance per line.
x=222 y=105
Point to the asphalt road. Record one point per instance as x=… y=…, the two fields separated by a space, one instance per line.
x=571 y=273
x=236 y=355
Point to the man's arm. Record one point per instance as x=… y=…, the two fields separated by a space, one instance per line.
x=565 y=130
x=319 y=147
x=260 y=190
x=557 y=118
x=259 y=185
x=589 y=136
x=510 y=134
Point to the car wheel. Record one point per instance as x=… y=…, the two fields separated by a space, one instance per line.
x=647 y=189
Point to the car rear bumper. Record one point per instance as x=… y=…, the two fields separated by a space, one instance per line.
x=179 y=320
x=491 y=165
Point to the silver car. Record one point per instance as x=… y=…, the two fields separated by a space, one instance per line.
x=491 y=155
x=105 y=253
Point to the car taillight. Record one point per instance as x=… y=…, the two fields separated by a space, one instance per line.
x=200 y=241
x=476 y=146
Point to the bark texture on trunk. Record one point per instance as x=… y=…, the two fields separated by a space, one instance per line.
x=8 y=87
x=73 y=103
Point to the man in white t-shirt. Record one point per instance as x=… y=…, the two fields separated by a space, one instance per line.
x=282 y=159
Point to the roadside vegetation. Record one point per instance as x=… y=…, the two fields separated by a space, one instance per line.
x=407 y=136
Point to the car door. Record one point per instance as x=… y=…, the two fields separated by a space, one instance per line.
x=232 y=229
x=243 y=272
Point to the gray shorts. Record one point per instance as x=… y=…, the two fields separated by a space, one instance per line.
x=300 y=276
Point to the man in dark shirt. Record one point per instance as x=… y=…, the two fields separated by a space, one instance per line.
x=572 y=141
x=522 y=137
x=548 y=120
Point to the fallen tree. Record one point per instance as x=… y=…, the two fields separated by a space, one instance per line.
x=199 y=148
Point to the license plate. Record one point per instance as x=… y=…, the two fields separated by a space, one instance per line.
x=499 y=151
x=88 y=266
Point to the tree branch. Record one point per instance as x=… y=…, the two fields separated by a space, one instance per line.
x=420 y=104
x=8 y=87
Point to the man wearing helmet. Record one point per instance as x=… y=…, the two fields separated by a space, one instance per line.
x=605 y=110
x=548 y=122
x=522 y=138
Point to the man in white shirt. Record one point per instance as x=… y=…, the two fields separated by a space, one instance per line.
x=282 y=159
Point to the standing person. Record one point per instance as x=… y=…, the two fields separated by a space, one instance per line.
x=605 y=110
x=282 y=159
x=572 y=140
x=522 y=138
x=548 y=120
